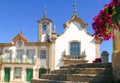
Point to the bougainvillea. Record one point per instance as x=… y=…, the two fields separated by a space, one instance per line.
x=107 y=20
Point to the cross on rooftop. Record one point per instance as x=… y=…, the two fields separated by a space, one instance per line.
x=45 y=10
x=75 y=6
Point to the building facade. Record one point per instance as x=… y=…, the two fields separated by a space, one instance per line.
x=22 y=60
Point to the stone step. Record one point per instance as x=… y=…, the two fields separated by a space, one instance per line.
x=102 y=71
x=88 y=65
x=48 y=81
x=78 y=77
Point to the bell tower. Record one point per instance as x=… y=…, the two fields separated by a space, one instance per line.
x=44 y=28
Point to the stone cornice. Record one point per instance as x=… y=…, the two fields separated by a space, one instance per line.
x=27 y=44
x=44 y=19
x=37 y=43
x=5 y=44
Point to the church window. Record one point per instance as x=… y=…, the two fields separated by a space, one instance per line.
x=75 y=49
x=44 y=27
x=43 y=54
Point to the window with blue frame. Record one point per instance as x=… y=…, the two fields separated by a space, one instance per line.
x=43 y=54
x=75 y=49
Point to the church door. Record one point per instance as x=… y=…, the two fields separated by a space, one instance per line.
x=7 y=75
x=42 y=71
x=29 y=75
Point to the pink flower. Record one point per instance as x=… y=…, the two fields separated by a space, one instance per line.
x=107 y=16
x=101 y=11
x=118 y=3
x=102 y=24
x=107 y=5
x=109 y=21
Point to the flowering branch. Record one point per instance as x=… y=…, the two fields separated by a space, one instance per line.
x=107 y=20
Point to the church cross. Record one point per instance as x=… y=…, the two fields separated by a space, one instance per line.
x=45 y=10
x=75 y=6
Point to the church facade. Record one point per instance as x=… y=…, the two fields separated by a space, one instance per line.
x=22 y=60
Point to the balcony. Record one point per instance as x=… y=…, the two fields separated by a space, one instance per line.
x=70 y=60
x=15 y=60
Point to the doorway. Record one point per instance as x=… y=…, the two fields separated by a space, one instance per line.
x=42 y=71
x=7 y=75
x=29 y=75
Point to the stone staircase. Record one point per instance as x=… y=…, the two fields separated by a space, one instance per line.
x=81 y=73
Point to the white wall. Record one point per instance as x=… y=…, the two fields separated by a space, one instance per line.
x=74 y=32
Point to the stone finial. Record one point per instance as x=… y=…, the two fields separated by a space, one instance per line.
x=21 y=32
x=54 y=29
x=84 y=52
x=12 y=43
x=104 y=57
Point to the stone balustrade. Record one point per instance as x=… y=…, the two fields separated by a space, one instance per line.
x=15 y=60
x=69 y=60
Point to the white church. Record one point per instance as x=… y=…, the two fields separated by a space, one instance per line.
x=21 y=60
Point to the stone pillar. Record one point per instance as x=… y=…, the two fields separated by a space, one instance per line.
x=47 y=58
x=24 y=58
x=54 y=36
x=104 y=57
x=39 y=31
x=0 y=70
x=2 y=73
x=12 y=74
x=35 y=73
x=37 y=65
x=23 y=74
x=98 y=42
x=116 y=54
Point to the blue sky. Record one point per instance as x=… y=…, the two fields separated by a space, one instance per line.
x=24 y=14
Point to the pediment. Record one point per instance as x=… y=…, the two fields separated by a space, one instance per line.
x=77 y=19
x=20 y=37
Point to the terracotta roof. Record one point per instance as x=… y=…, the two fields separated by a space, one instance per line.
x=18 y=37
x=1 y=45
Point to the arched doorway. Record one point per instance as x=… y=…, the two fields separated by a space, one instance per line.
x=42 y=71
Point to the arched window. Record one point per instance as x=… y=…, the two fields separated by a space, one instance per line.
x=75 y=49
x=44 y=27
